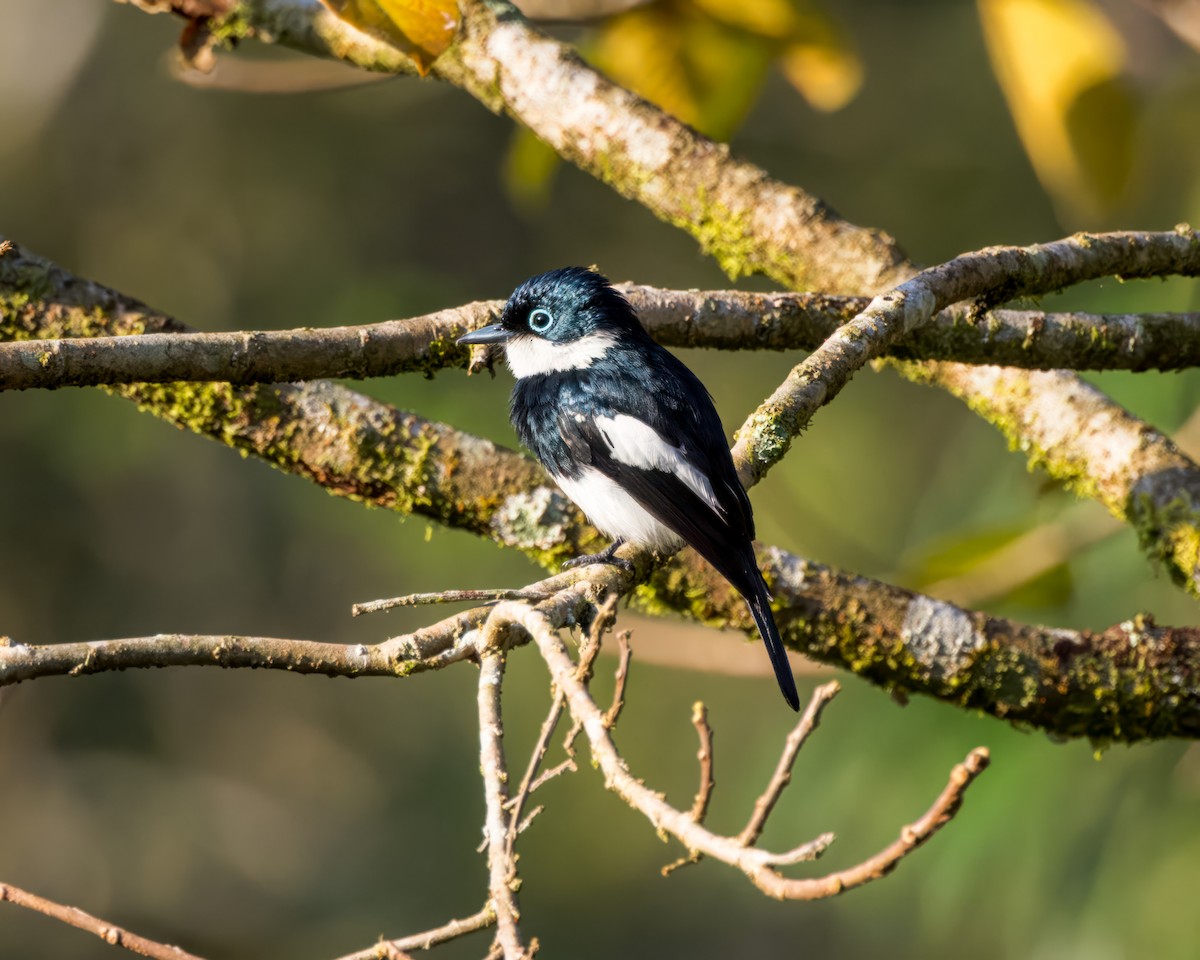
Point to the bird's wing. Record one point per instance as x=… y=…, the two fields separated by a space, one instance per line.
x=667 y=423
x=666 y=482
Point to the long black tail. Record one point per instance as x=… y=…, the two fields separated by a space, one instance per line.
x=741 y=569
x=759 y=602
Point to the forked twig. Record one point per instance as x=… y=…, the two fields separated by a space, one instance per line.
x=531 y=781
x=758 y=865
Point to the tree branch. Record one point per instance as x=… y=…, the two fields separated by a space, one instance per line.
x=995 y=274
x=429 y=648
x=718 y=319
x=782 y=776
x=110 y=933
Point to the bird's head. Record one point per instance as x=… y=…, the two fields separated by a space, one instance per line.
x=562 y=320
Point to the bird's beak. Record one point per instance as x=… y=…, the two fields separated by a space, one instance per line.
x=492 y=333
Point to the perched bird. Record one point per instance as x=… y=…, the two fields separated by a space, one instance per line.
x=628 y=433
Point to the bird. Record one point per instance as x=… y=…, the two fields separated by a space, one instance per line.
x=628 y=433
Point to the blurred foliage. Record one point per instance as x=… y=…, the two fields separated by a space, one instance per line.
x=1061 y=66
x=250 y=815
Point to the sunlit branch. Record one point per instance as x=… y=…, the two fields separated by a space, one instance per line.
x=110 y=933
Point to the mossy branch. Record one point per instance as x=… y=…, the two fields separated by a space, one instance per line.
x=748 y=221
x=54 y=346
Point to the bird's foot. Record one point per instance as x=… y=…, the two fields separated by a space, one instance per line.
x=604 y=556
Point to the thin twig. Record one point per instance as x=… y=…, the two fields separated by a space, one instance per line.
x=704 y=794
x=526 y=787
x=705 y=756
x=783 y=770
x=502 y=867
x=446 y=596
x=621 y=679
x=550 y=773
x=110 y=933
x=530 y=782
x=393 y=949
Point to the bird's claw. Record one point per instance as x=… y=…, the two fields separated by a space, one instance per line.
x=607 y=556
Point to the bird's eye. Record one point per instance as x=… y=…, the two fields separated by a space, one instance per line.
x=540 y=320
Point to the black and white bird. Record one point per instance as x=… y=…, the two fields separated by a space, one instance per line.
x=629 y=433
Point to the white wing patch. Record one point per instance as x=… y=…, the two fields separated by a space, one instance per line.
x=614 y=512
x=637 y=444
x=529 y=356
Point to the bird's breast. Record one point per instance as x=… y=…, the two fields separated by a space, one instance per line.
x=614 y=512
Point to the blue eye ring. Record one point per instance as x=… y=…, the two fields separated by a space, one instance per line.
x=540 y=320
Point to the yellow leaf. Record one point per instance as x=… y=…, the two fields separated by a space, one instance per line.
x=768 y=18
x=421 y=28
x=704 y=72
x=1059 y=63
x=827 y=75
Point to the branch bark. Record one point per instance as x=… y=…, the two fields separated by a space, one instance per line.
x=717 y=319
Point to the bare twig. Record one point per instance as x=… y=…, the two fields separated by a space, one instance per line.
x=445 y=596
x=787 y=759
x=705 y=756
x=108 y=932
x=707 y=782
x=621 y=679
x=394 y=949
x=502 y=866
x=530 y=781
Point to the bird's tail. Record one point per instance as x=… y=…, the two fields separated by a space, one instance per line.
x=759 y=602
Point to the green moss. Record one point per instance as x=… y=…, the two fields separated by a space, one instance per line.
x=443 y=352
x=229 y=28
x=1170 y=534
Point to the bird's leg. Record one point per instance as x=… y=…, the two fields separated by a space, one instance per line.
x=604 y=556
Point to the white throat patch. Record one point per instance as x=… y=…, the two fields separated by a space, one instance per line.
x=529 y=356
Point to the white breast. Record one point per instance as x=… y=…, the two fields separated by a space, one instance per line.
x=614 y=512
x=529 y=356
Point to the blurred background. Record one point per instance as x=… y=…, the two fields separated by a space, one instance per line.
x=253 y=815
